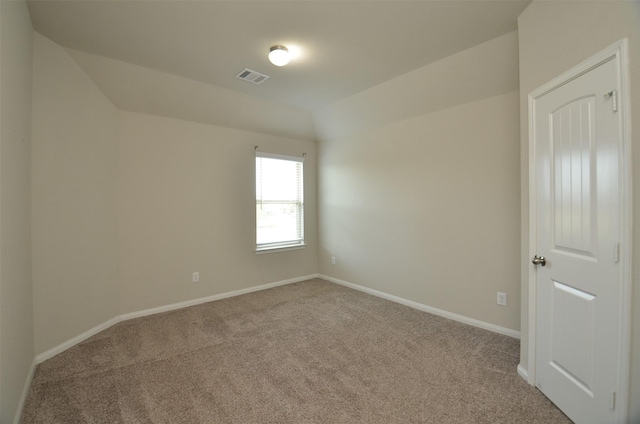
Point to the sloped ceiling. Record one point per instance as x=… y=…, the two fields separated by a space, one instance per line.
x=344 y=46
x=139 y=89
x=486 y=70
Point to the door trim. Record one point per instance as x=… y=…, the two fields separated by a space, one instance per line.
x=617 y=52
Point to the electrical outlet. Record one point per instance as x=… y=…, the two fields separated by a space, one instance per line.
x=502 y=299
x=196 y=277
x=333 y=260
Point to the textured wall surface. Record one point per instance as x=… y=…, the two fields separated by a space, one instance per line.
x=74 y=183
x=187 y=204
x=16 y=304
x=428 y=209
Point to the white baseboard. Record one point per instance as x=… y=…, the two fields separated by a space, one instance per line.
x=522 y=372
x=180 y=305
x=75 y=340
x=152 y=311
x=103 y=326
x=460 y=318
x=25 y=392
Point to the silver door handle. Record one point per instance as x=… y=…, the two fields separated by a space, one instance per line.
x=539 y=260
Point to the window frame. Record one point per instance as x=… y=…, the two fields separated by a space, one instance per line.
x=280 y=246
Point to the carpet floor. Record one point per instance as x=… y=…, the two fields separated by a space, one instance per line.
x=310 y=352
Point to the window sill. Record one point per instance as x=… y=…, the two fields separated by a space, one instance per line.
x=279 y=249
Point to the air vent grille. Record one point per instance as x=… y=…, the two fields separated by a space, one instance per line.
x=252 y=76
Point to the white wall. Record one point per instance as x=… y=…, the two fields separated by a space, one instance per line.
x=16 y=306
x=126 y=206
x=418 y=185
x=428 y=209
x=74 y=199
x=554 y=36
x=187 y=203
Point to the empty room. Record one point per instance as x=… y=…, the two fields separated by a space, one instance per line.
x=319 y=211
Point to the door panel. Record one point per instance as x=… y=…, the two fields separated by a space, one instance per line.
x=573 y=326
x=577 y=141
x=573 y=200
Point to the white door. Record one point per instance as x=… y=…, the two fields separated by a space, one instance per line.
x=577 y=139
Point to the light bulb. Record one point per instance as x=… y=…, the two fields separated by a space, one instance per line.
x=279 y=55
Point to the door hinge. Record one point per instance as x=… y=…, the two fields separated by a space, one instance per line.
x=616 y=253
x=612 y=400
x=614 y=98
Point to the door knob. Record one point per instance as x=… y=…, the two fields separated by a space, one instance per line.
x=539 y=260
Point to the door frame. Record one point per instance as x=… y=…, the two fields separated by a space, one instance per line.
x=618 y=52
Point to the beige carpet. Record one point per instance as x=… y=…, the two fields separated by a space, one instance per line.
x=311 y=352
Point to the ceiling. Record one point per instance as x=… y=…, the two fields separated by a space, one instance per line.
x=344 y=46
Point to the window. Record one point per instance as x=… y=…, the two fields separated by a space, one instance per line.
x=279 y=202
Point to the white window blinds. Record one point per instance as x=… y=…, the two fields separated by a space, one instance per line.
x=279 y=201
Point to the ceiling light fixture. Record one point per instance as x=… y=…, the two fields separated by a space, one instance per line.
x=279 y=55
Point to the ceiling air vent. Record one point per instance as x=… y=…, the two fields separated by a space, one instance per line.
x=252 y=76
